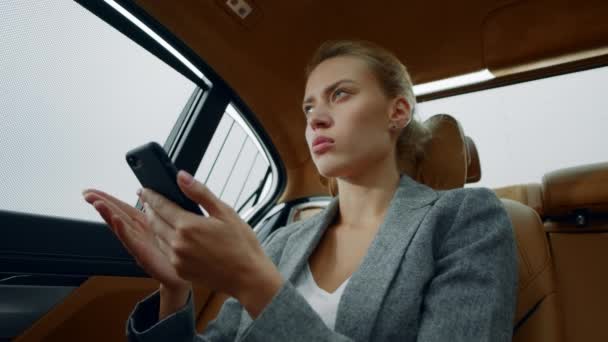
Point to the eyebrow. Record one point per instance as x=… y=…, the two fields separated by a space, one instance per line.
x=328 y=89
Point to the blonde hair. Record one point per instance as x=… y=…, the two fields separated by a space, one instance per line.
x=395 y=81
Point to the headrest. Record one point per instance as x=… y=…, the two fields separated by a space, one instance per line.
x=445 y=162
x=578 y=188
x=473 y=163
x=528 y=194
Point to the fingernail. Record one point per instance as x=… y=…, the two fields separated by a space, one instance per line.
x=138 y=192
x=186 y=177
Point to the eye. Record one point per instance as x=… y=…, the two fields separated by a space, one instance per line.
x=339 y=93
x=307 y=110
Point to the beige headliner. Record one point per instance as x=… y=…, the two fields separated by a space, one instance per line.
x=263 y=57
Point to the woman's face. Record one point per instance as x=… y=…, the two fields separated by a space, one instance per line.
x=348 y=117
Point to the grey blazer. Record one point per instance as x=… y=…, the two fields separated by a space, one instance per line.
x=442 y=267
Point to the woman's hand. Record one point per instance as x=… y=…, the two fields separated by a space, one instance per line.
x=220 y=251
x=131 y=228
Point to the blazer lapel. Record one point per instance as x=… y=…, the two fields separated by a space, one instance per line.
x=366 y=290
x=368 y=285
x=297 y=250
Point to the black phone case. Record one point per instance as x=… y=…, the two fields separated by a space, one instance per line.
x=156 y=171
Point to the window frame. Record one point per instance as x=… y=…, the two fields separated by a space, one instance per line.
x=206 y=106
x=36 y=245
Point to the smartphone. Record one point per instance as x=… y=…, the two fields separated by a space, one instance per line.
x=156 y=171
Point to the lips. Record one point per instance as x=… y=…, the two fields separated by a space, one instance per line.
x=322 y=144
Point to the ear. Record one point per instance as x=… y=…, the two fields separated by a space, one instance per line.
x=400 y=113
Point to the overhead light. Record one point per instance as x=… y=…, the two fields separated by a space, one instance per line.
x=453 y=82
x=240 y=7
x=158 y=39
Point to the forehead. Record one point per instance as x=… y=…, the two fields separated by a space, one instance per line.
x=336 y=69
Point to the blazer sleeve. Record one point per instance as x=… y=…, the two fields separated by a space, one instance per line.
x=143 y=324
x=287 y=317
x=472 y=295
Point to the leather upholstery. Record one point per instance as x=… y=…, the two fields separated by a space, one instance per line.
x=537 y=317
x=528 y=194
x=576 y=209
x=445 y=163
x=582 y=187
x=581 y=264
x=305 y=213
x=543 y=324
x=473 y=162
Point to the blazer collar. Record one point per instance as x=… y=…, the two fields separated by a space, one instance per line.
x=406 y=210
x=368 y=286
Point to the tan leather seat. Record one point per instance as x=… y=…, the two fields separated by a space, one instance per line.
x=567 y=191
x=473 y=162
x=576 y=220
x=529 y=194
x=445 y=163
x=538 y=315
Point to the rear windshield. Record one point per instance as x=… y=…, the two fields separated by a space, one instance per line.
x=525 y=130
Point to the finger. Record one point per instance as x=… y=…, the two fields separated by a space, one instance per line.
x=167 y=210
x=146 y=253
x=108 y=209
x=160 y=227
x=90 y=195
x=125 y=234
x=164 y=248
x=104 y=212
x=201 y=194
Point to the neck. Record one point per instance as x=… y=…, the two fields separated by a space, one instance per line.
x=365 y=198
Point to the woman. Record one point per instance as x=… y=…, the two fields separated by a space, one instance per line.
x=388 y=259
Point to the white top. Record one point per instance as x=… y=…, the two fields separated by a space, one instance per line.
x=323 y=302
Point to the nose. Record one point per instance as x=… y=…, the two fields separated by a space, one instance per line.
x=319 y=118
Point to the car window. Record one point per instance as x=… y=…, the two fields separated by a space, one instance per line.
x=235 y=167
x=525 y=130
x=75 y=95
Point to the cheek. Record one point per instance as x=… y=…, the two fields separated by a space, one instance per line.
x=367 y=130
x=363 y=121
x=308 y=134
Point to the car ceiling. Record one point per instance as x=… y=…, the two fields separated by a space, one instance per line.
x=263 y=57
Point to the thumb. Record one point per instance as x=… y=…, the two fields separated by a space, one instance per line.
x=199 y=193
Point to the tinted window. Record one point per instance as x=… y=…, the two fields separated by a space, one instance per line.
x=75 y=95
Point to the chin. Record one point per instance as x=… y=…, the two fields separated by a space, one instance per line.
x=330 y=168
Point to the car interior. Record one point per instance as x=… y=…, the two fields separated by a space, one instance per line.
x=252 y=55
